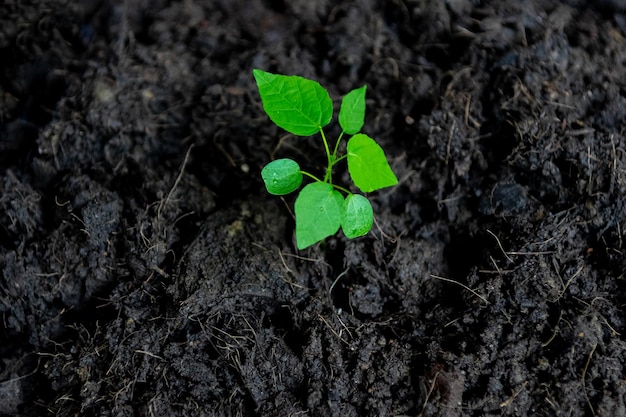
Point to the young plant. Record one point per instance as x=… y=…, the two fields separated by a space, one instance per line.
x=303 y=107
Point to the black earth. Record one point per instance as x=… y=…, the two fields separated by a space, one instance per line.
x=145 y=271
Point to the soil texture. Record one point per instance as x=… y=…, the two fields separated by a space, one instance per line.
x=145 y=271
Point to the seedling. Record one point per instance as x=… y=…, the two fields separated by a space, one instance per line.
x=303 y=107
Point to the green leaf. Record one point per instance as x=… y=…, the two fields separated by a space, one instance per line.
x=282 y=176
x=352 y=111
x=358 y=217
x=368 y=165
x=296 y=104
x=319 y=212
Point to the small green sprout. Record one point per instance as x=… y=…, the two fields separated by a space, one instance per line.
x=303 y=107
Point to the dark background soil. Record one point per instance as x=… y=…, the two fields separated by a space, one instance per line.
x=146 y=272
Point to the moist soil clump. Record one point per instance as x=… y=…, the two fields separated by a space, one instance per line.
x=146 y=272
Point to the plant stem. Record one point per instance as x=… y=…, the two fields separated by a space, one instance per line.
x=341 y=189
x=337 y=146
x=329 y=167
x=310 y=175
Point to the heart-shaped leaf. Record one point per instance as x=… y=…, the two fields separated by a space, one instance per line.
x=319 y=212
x=296 y=104
x=368 y=165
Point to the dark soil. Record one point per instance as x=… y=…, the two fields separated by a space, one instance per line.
x=146 y=272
